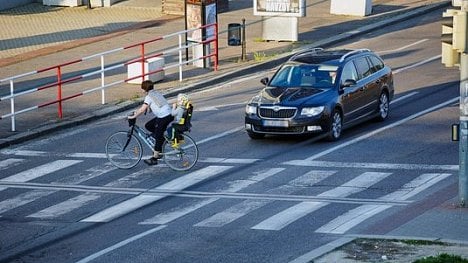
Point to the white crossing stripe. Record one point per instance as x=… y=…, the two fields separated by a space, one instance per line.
x=286 y=217
x=392 y=166
x=9 y=162
x=66 y=206
x=145 y=199
x=165 y=218
x=345 y=222
x=243 y=208
x=39 y=171
x=23 y=199
x=84 y=199
x=31 y=196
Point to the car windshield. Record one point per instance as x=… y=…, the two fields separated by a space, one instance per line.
x=305 y=75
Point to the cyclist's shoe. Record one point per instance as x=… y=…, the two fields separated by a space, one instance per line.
x=174 y=144
x=151 y=161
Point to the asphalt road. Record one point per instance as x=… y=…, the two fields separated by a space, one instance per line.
x=271 y=200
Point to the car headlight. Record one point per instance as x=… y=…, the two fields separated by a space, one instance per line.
x=312 y=111
x=251 y=109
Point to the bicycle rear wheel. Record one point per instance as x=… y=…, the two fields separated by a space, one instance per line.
x=123 y=150
x=183 y=156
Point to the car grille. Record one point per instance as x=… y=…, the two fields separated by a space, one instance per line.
x=279 y=130
x=277 y=112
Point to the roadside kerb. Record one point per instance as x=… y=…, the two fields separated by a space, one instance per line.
x=218 y=80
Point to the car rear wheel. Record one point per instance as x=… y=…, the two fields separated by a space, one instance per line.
x=336 y=126
x=255 y=136
x=384 y=107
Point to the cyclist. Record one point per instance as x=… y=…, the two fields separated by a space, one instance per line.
x=156 y=102
x=180 y=124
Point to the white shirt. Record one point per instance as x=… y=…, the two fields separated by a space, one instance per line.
x=158 y=104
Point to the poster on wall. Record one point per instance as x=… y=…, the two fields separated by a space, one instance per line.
x=194 y=20
x=210 y=18
x=294 y=8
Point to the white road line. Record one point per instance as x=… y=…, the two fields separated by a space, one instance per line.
x=31 y=196
x=119 y=245
x=239 y=210
x=226 y=133
x=292 y=214
x=352 y=218
x=175 y=213
x=417 y=64
x=139 y=201
x=39 y=171
x=66 y=206
x=392 y=125
x=216 y=107
x=389 y=166
x=404 y=47
x=9 y=162
x=227 y=160
x=20 y=152
x=22 y=199
x=79 y=201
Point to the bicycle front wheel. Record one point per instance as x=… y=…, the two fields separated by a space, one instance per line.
x=124 y=150
x=181 y=156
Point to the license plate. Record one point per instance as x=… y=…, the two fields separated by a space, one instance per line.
x=273 y=123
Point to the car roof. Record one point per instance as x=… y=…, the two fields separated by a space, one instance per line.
x=332 y=57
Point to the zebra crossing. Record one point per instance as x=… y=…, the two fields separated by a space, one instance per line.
x=297 y=207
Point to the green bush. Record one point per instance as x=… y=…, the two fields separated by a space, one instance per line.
x=442 y=258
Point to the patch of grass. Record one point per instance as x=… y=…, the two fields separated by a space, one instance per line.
x=422 y=242
x=261 y=56
x=442 y=258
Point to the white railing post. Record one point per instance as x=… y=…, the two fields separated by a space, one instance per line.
x=103 y=93
x=12 y=106
x=180 y=57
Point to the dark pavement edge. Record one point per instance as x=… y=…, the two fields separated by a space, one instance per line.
x=217 y=80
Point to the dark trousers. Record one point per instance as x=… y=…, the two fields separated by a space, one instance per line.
x=157 y=126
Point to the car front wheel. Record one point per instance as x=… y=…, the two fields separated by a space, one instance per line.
x=336 y=126
x=384 y=107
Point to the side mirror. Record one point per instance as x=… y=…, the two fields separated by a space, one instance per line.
x=348 y=83
x=264 y=81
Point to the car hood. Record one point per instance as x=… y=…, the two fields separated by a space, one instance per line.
x=289 y=96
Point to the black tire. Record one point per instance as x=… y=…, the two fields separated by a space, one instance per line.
x=255 y=136
x=336 y=126
x=182 y=157
x=383 y=108
x=122 y=154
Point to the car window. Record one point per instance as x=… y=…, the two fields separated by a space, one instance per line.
x=349 y=72
x=362 y=67
x=305 y=75
x=377 y=64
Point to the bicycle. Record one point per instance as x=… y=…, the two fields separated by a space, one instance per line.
x=124 y=148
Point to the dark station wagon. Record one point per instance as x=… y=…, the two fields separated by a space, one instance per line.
x=321 y=91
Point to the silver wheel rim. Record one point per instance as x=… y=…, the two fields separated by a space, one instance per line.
x=383 y=106
x=336 y=127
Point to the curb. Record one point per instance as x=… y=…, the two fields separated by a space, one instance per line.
x=218 y=80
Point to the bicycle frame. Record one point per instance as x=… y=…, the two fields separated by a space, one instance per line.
x=142 y=134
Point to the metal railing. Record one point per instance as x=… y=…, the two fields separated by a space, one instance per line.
x=145 y=53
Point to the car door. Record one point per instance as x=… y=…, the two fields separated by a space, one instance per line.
x=376 y=82
x=367 y=86
x=350 y=95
